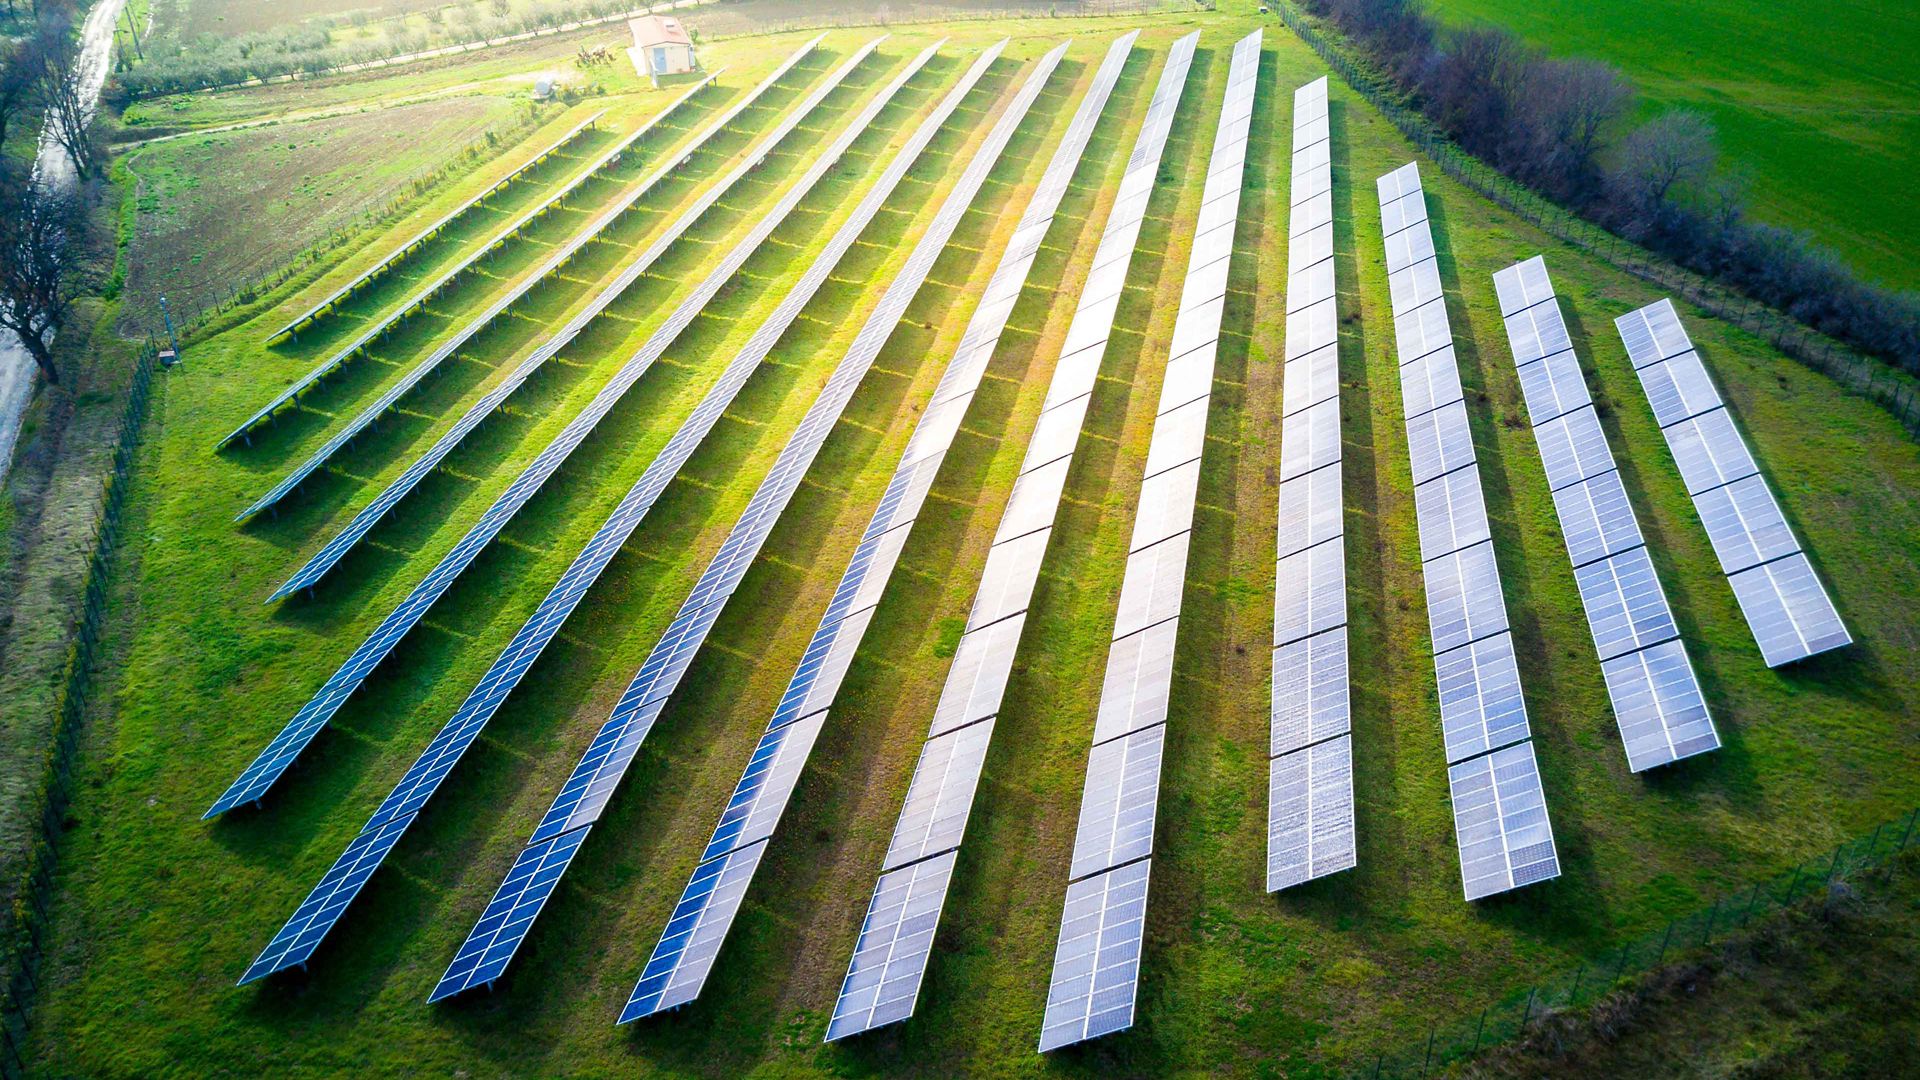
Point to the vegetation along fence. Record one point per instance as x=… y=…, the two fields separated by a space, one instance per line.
x=25 y=927
x=1893 y=390
x=1510 y=1017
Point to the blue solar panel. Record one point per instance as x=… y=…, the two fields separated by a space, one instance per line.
x=292 y=739
x=586 y=792
x=338 y=886
x=484 y=955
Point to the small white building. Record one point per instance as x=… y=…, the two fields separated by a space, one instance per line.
x=661 y=46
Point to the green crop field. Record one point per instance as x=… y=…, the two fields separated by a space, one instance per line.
x=1818 y=104
x=157 y=913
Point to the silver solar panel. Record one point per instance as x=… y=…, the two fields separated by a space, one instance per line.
x=1573 y=448
x=1402 y=181
x=1096 y=964
x=1310 y=592
x=1309 y=380
x=1452 y=513
x=1310 y=814
x=1463 y=597
x=1313 y=327
x=1421 y=331
x=1417 y=284
x=1553 y=386
x=1626 y=609
x=1180 y=434
x=1657 y=703
x=1165 y=506
x=1745 y=524
x=1653 y=333
x=1311 y=285
x=1310 y=510
x=1522 y=285
x=1678 y=388
x=1500 y=819
x=1709 y=451
x=1537 y=331
x=1310 y=702
x=1790 y=613
x=1310 y=247
x=891 y=955
x=981 y=666
x=1139 y=678
x=1310 y=439
x=1439 y=442
x=1430 y=382
x=1152 y=588
x=1403 y=213
x=1481 y=706
x=1408 y=247
x=1596 y=518
x=1118 y=804
x=1006 y=584
x=1034 y=500
x=940 y=796
x=1311 y=212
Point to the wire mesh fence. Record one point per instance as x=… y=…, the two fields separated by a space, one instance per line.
x=1894 y=391
x=23 y=948
x=1511 y=1016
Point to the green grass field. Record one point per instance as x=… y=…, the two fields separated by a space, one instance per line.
x=1819 y=105
x=158 y=913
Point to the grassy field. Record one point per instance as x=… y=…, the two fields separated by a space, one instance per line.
x=158 y=913
x=1818 y=105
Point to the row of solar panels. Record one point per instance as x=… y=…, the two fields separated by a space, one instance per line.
x=1785 y=605
x=1500 y=820
x=1310 y=818
x=417 y=302
x=1657 y=702
x=370 y=415
x=337 y=887
x=280 y=753
x=1096 y=962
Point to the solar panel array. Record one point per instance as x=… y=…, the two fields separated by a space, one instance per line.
x=1500 y=820
x=307 y=722
x=896 y=939
x=453 y=345
x=1096 y=960
x=1310 y=774
x=1657 y=703
x=1786 y=606
x=401 y=251
x=337 y=888
x=510 y=914
x=419 y=299
x=678 y=968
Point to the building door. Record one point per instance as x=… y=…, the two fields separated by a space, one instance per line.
x=659 y=59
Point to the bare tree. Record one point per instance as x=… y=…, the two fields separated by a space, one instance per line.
x=16 y=85
x=1565 y=107
x=1671 y=153
x=59 y=88
x=41 y=232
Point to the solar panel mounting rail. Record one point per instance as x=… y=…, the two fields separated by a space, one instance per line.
x=370 y=515
x=578 y=243
x=280 y=753
x=1657 y=703
x=890 y=957
x=1096 y=962
x=677 y=970
x=1310 y=824
x=503 y=925
x=328 y=900
x=1502 y=830
x=379 y=327
x=400 y=252
x=1784 y=602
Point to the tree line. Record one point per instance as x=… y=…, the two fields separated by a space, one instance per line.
x=43 y=212
x=1562 y=127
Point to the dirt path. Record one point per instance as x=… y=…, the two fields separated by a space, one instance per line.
x=52 y=166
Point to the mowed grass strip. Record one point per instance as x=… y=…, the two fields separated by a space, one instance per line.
x=157 y=912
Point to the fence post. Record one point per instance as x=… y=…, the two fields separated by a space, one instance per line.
x=1662 y=955
x=1908 y=835
x=1478 y=1031
x=1747 y=915
x=1427 y=1061
x=1706 y=936
x=1834 y=867
x=1573 y=996
x=1527 y=1014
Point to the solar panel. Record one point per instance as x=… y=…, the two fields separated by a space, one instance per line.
x=1481 y=706
x=1403 y=213
x=1522 y=285
x=1596 y=518
x=695 y=931
x=1500 y=819
x=1310 y=379
x=1310 y=510
x=1401 y=182
x=1452 y=513
x=1312 y=327
x=1439 y=442
x=273 y=761
x=1463 y=597
x=1310 y=592
x=1658 y=704
x=1553 y=386
x=884 y=977
x=1678 y=388
x=1310 y=285
x=1310 y=814
x=1789 y=611
x=1310 y=701
x=1096 y=964
x=1407 y=247
x=1310 y=439
x=1537 y=331
x=1786 y=607
x=1421 y=331
x=587 y=791
x=1573 y=448
x=1311 y=212
x=1119 y=801
x=1415 y=285
x=1430 y=382
x=934 y=816
x=1309 y=248
x=1626 y=609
